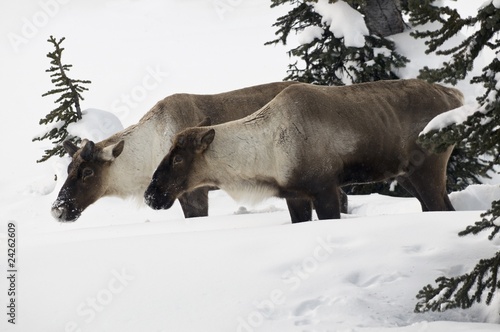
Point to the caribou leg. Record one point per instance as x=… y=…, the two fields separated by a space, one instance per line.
x=300 y=209
x=429 y=181
x=327 y=204
x=195 y=203
x=406 y=183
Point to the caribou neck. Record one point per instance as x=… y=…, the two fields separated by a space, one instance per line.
x=145 y=145
x=241 y=161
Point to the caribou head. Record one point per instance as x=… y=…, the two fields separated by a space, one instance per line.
x=87 y=180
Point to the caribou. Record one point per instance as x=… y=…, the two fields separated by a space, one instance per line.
x=122 y=165
x=311 y=140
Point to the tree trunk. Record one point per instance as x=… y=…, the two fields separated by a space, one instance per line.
x=383 y=17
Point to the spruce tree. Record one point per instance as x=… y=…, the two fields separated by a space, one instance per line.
x=467 y=163
x=479 y=132
x=326 y=60
x=68 y=109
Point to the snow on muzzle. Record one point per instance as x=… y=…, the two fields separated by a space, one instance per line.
x=64 y=212
x=157 y=200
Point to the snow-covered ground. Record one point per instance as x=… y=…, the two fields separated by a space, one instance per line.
x=124 y=267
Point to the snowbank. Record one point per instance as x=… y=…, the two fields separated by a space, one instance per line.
x=475 y=197
x=95 y=125
x=337 y=275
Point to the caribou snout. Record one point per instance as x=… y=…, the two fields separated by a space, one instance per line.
x=62 y=213
x=157 y=201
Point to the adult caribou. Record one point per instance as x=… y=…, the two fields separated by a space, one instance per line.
x=122 y=165
x=311 y=140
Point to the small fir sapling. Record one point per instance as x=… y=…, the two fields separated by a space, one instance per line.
x=68 y=92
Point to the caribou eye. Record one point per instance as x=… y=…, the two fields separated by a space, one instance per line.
x=177 y=159
x=87 y=172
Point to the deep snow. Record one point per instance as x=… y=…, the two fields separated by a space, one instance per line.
x=124 y=267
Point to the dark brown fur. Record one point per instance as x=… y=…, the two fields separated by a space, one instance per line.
x=311 y=140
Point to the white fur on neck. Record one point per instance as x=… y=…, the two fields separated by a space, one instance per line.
x=242 y=161
x=130 y=173
x=248 y=193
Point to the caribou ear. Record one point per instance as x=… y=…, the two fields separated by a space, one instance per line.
x=87 y=150
x=70 y=147
x=110 y=152
x=203 y=140
x=205 y=122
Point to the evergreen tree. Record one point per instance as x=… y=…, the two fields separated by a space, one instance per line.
x=68 y=109
x=466 y=164
x=327 y=60
x=479 y=132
